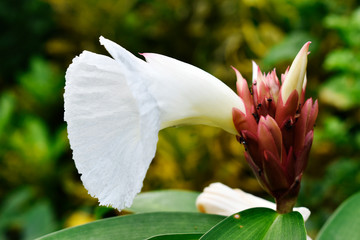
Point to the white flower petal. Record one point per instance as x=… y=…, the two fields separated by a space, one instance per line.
x=305 y=212
x=223 y=200
x=186 y=94
x=113 y=137
x=115 y=108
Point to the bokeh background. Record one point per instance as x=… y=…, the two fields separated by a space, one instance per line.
x=40 y=190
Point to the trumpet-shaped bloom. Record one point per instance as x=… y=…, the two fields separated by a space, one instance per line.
x=277 y=128
x=115 y=107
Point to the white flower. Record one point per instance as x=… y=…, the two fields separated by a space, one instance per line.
x=220 y=199
x=115 y=107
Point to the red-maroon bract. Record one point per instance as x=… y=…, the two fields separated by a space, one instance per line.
x=277 y=130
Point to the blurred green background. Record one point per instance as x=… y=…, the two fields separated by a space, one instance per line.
x=40 y=190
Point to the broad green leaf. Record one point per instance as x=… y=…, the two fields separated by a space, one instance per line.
x=165 y=201
x=259 y=224
x=179 y=236
x=344 y=223
x=139 y=226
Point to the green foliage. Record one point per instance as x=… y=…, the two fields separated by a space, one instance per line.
x=348 y=26
x=176 y=237
x=43 y=83
x=19 y=210
x=25 y=26
x=40 y=37
x=29 y=153
x=343 y=89
x=259 y=223
x=344 y=223
x=7 y=105
x=140 y=226
x=287 y=49
x=165 y=201
x=256 y=223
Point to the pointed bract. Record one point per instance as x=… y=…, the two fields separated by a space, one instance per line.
x=266 y=139
x=297 y=73
x=243 y=92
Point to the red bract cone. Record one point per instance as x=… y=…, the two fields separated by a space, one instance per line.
x=277 y=128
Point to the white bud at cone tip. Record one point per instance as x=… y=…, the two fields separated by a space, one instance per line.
x=296 y=75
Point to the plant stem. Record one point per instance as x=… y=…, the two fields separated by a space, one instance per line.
x=285 y=205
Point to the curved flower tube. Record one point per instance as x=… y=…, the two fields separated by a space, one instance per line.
x=115 y=107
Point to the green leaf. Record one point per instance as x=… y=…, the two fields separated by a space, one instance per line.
x=165 y=201
x=139 y=226
x=345 y=60
x=14 y=206
x=341 y=91
x=34 y=134
x=286 y=50
x=33 y=219
x=7 y=107
x=39 y=220
x=344 y=223
x=43 y=82
x=180 y=236
x=101 y=211
x=259 y=223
